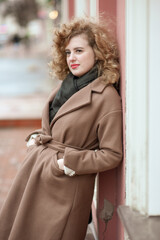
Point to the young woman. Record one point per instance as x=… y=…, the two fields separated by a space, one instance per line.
x=81 y=135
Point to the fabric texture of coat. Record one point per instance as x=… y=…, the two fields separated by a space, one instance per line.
x=46 y=204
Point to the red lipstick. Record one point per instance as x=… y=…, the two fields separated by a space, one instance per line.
x=74 y=66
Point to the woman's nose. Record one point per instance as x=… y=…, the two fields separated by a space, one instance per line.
x=72 y=56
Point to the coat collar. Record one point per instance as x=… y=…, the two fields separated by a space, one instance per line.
x=97 y=85
x=79 y=99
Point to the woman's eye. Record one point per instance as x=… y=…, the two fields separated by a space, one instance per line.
x=67 y=53
x=79 y=50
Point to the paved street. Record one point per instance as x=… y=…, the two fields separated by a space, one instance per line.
x=24 y=76
x=25 y=82
x=12 y=152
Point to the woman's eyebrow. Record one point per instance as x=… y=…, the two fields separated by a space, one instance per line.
x=74 y=48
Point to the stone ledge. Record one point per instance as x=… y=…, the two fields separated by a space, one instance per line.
x=137 y=226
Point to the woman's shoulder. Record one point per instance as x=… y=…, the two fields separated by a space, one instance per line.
x=112 y=97
x=111 y=91
x=107 y=102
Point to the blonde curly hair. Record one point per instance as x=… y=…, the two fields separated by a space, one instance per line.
x=99 y=38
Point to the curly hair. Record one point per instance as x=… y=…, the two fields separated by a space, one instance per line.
x=99 y=38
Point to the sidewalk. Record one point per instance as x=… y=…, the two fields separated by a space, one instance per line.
x=12 y=152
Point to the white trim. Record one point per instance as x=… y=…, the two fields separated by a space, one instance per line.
x=95 y=195
x=94 y=8
x=154 y=109
x=81 y=8
x=142 y=106
x=136 y=104
x=65 y=11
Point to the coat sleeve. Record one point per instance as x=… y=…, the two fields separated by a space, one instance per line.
x=109 y=154
x=37 y=131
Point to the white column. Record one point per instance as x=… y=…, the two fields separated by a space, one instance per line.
x=137 y=104
x=143 y=105
x=65 y=11
x=80 y=8
x=94 y=8
x=154 y=110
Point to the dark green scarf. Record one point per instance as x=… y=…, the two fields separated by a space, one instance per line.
x=70 y=85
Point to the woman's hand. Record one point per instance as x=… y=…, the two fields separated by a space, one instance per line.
x=31 y=141
x=61 y=163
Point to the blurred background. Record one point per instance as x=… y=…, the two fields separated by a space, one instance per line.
x=25 y=51
x=26 y=28
x=26 y=32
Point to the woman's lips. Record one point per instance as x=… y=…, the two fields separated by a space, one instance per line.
x=73 y=66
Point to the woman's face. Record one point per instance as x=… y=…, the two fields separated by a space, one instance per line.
x=80 y=56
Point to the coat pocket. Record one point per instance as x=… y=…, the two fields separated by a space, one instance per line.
x=55 y=168
x=48 y=164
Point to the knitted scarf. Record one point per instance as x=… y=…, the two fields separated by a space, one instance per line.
x=70 y=85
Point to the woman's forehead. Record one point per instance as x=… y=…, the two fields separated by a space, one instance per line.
x=80 y=40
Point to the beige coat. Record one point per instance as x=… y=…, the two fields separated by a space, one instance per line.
x=46 y=204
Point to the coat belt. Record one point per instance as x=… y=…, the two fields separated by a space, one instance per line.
x=48 y=141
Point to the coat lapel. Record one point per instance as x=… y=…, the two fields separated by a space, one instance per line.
x=80 y=98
